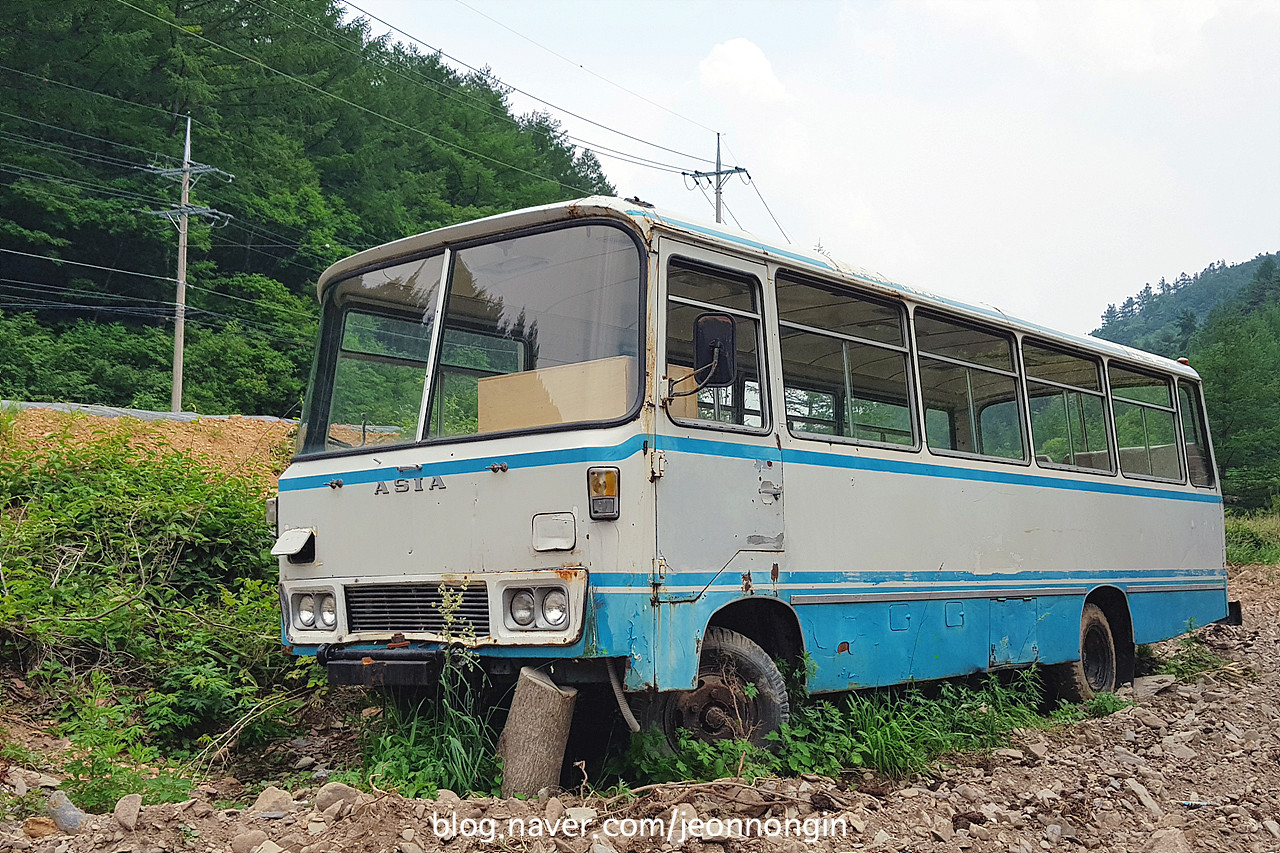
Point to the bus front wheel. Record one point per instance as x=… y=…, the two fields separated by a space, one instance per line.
x=1096 y=670
x=739 y=694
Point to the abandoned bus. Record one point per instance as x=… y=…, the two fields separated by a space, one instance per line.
x=632 y=449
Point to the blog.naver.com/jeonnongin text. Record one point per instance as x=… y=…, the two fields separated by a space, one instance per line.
x=674 y=828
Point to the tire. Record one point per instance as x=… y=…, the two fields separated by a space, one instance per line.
x=718 y=707
x=1096 y=671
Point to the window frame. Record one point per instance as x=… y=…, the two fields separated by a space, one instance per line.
x=906 y=350
x=1108 y=422
x=682 y=257
x=1016 y=374
x=1196 y=391
x=325 y=362
x=1170 y=384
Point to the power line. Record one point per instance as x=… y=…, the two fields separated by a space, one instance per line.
x=169 y=113
x=490 y=76
x=353 y=104
x=74 y=182
x=78 y=133
x=588 y=70
x=91 y=266
x=463 y=97
x=67 y=150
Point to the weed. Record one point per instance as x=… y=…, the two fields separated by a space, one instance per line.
x=1105 y=704
x=650 y=759
x=13 y=808
x=1254 y=539
x=1191 y=659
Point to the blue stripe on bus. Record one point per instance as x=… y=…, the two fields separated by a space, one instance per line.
x=703 y=447
x=755 y=452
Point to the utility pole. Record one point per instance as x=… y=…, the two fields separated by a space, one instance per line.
x=719 y=175
x=180 y=217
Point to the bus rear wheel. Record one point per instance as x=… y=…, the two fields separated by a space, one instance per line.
x=739 y=694
x=1096 y=671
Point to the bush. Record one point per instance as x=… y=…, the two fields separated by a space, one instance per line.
x=1254 y=539
x=148 y=568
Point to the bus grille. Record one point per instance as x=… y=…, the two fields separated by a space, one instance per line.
x=417 y=608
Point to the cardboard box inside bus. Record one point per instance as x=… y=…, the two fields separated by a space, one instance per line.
x=597 y=390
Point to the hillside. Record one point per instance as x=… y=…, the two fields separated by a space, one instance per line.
x=336 y=142
x=1164 y=318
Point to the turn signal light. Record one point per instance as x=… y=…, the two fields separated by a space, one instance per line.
x=602 y=493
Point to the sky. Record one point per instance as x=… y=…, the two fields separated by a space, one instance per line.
x=1045 y=158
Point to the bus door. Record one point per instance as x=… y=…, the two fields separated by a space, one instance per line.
x=719 y=493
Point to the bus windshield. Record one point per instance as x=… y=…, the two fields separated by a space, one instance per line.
x=538 y=331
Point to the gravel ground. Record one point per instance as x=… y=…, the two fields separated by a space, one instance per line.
x=1192 y=766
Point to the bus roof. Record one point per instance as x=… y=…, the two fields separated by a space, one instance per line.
x=648 y=219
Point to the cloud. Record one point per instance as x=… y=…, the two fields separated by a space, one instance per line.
x=1102 y=37
x=739 y=69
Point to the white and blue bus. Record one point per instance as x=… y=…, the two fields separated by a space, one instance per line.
x=633 y=449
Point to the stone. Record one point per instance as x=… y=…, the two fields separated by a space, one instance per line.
x=1272 y=827
x=1182 y=753
x=599 y=846
x=246 y=842
x=881 y=837
x=306 y=762
x=555 y=811
x=127 y=810
x=45 y=781
x=1148 y=718
x=1149 y=685
x=268 y=846
x=273 y=800
x=1039 y=749
x=39 y=827
x=408 y=847
x=1167 y=841
x=15 y=780
x=1011 y=754
x=582 y=814
x=1144 y=797
x=335 y=792
x=66 y=815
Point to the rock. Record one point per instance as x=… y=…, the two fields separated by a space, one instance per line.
x=555 y=810
x=335 y=792
x=881 y=838
x=65 y=814
x=582 y=814
x=1148 y=718
x=908 y=793
x=1272 y=827
x=15 y=780
x=1167 y=841
x=1039 y=749
x=39 y=827
x=1182 y=753
x=246 y=842
x=127 y=809
x=306 y=762
x=1011 y=754
x=273 y=800
x=268 y=846
x=599 y=846
x=408 y=847
x=44 y=781
x=1144 y=797
x=1149 y=685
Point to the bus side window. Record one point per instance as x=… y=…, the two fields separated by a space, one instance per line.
x=1145 y=430
x=844 y=364
x=693 y=290
x=967 y=371
x=1068 y=408
x=1193 y=435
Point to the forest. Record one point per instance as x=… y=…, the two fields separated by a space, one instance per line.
x=324 y=141
x=321 y=140
x=1226 y=322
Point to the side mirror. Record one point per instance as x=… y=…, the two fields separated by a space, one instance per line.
x=715 y=350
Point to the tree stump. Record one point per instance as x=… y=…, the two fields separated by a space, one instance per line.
x=532 y=742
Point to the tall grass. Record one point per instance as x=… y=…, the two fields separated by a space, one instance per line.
x=1253 y=539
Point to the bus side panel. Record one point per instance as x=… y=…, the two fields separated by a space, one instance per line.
x=1161 y=615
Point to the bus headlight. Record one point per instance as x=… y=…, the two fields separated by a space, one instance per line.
x=555 y=607
x=307 y=611
x=328 y=612
x=522 y=611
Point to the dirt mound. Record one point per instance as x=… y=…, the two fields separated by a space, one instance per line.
x=256 y=448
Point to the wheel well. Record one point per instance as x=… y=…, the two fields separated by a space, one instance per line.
x=1115 y=606
x=771 y=624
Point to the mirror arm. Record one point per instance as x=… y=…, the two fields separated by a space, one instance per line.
x=710 y=369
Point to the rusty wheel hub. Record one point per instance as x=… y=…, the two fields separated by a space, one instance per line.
x=716 y=709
